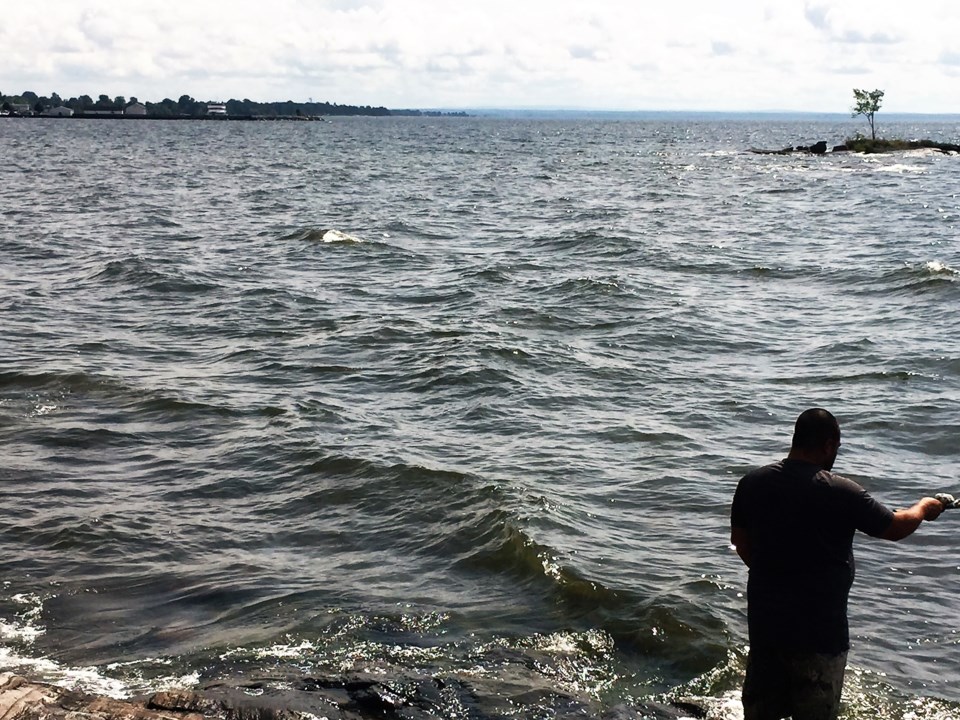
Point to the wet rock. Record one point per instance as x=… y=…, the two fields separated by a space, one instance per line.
x=818 y=148
x=182 y=702
x=21 y=699
x=442 y=697
x=785 y=151
x=352 y=697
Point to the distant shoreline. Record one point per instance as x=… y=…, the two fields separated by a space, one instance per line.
x=223 y=118
x=545 y=115
x=203 y=118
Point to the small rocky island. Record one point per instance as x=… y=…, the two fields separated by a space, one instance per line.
x=863 y=145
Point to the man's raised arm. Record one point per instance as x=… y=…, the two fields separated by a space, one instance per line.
x=906 y=521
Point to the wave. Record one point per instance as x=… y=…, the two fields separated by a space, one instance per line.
x=870 y=376
x=77 y=438
x=936 y=267
x=324 y=235
x=785 y=191
x=467 y=382
x=591 y=288
x=592 y=242
x=145 y=274
x=920 y=278
x=926 y=278
x=144 y=404
x=645 y=625
x=903 y=168
x=63 y=382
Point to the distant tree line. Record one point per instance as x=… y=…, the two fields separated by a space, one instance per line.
x=289 y=108
x=427 y=113
x=187 y=107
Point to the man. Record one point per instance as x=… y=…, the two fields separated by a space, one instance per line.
x=792 y=524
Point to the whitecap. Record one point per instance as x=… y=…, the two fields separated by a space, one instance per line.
x=939 y=268
x=337 y=236
x=88 y=679
x=24 y=628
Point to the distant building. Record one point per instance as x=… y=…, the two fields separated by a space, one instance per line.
x=216 y=109
x=100 y=113
x=20 y=108
x=136 y=108
x=60 y=111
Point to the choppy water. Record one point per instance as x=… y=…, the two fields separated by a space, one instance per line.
x=492 y=431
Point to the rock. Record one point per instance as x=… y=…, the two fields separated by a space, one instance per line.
x=182 y=701
x=785 y=151
x=818 y=148
x=350 y=697
x=21 y=699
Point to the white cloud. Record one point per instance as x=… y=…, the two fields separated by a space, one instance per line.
x=617 y=54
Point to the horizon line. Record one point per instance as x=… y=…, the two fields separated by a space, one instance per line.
x=620 y=111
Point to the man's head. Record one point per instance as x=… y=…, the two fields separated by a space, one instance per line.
x=816 y=437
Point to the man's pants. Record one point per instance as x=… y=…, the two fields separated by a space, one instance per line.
x=781 y=684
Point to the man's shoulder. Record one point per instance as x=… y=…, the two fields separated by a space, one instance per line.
x=839 y=482
x=759 y=474
x=765 y=471
x=754 y=482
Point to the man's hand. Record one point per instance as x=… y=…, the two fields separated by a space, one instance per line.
x=739 y=539
x=948 y=500
x=931 y=508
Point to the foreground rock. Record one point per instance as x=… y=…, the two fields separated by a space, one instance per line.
x=22 y=699
x=358 y=697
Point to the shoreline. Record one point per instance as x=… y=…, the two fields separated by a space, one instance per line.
x=212 y=118
x=349 y=697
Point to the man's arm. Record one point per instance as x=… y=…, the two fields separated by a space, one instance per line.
x=906 y=521
x=739 y=539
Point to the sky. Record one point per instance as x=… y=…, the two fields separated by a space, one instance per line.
x=693 y=55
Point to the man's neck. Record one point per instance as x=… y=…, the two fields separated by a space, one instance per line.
x=813 y=458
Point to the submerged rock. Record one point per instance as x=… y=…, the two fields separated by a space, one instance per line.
x=818 y=148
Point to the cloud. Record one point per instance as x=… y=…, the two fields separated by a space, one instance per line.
x=581 y=52
x=722 y=48
x=852 y=70
x=877 y=38
x=608 y=53
x=817 y=16
x=950 y=58
x=853 y=25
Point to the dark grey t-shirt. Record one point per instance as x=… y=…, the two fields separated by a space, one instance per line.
x=800 y=521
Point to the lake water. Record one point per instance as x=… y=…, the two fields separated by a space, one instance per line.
x=489 y=429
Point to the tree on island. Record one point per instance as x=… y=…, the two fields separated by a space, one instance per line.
x=866 y=104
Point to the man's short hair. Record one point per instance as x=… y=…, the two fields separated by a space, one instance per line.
x=814 y=428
